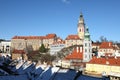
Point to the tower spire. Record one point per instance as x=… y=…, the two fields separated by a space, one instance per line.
x=81 y=27
x=81 y=15
x=81 y=19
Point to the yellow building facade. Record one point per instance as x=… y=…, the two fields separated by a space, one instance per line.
x=103 y=66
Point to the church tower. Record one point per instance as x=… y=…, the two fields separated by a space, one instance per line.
x=81 y=27
x=87 y=56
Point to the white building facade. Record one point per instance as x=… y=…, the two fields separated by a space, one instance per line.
x=5 y=48
x=54 y=48
x=87 y=56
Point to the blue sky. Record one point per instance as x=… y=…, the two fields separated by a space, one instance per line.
x=40 y=17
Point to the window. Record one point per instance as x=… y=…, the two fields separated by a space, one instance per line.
x=80 y=30
x=89 y=45
x=89 y=50
x=85 y=44
x=104 y=50
x=89 y=56
x=109 y=50
x=85 y=50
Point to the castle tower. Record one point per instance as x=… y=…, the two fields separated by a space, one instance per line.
x=81 y=27
x=87 y=34
x=87 y=56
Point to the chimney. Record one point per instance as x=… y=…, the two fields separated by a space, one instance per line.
x=115 y=57
x=77 y=50
x=109 y=44
x=81 y=49
x=107 y=62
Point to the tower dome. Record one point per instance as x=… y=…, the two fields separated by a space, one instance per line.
x=87 y=34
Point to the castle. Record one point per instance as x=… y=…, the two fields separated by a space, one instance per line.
x=33 y=43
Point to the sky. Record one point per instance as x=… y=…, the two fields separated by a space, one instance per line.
x=41 y=17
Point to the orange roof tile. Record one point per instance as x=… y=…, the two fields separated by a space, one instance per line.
x=76 y=54
x=106 y=45
x=27 y=37
x=49 y=36
x=73 y=37
x=105 y=61
x=19 y=51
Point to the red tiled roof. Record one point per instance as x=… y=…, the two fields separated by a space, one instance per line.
x=73 y=37
x=106 y=45
x=28 y=37
x=19 y=51
x=76 y=54
x=105 y=61
x=49 y=36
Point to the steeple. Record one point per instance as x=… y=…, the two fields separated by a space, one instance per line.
x=87 y=34
x=81 y=27
x=87 y=56
x=81 y=19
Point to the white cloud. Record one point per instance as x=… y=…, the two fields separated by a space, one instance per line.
x=66 y=1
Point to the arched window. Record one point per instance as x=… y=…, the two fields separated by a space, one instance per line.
x=80 y=30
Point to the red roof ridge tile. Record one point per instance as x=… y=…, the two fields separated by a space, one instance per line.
x=48 y=36
x=76 y=54
x=75 y=37
x=107 y=45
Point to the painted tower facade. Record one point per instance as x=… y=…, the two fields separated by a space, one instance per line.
x=87 y=56
x=81 y=27
x=83 y=33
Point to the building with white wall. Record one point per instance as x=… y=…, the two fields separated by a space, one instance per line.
x=5 y=46
x=57 y=46
x=54 y=48
x=87 y=56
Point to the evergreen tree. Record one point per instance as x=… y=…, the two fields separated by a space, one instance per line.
x=42 y=49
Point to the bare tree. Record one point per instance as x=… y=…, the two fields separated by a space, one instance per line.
x=103 y=39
